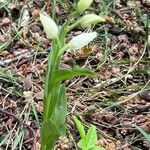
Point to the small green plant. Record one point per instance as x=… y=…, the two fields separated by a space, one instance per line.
x=88 y=140
x=55 y=101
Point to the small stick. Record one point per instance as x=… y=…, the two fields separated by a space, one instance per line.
x=117 y=13
x=16 y=118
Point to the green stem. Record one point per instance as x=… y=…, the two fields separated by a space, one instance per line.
x=72 y=26
x=54 y=9
x=53 y=65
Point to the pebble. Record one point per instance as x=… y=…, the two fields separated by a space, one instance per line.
x=5 y=22
x=146 y=3
x=145 y=95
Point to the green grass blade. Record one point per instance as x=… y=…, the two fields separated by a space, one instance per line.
x=3 y=140
x=80 y=127
x=35 y=112
x=147 y=136
x=18 y=139
x=3 y=46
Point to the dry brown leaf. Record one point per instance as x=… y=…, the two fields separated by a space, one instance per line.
x=107 y=144
x=39 y=107
x=123 y=38
x=39 y=95
x=27 y=85
x=102 y=115
x=106 y=75
x=115 y=70
x=110 y=146
x=85 y=52
x=28 y=95
x=36 y=13
x=134 y=49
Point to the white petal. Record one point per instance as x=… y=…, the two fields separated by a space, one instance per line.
x=50 y=27
x=82 y=40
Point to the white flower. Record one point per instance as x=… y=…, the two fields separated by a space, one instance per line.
x=83 y=5
x=82 y=40
x=90 y=19
x=50 y=27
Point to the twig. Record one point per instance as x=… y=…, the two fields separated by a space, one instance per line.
x=142 y=108
x=24 y=124
x=117 y=13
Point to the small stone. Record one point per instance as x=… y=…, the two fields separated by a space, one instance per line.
x=146 y=3
x=134 y=49
x=145 y=95
x=35 y=28
x=143 y=102
x=6 y=21
x=3 y=38
x=36 y=13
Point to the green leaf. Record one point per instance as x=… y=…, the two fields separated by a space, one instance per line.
x=80 y=127
x=4 y=138
x=65 y=74
x=60 y=110
x=91 y=137
x=147 y=136
x=89 y=141
x=53 y=63
x=50 y=133
x=54 y=125
x=82 y=144
x=56 y=101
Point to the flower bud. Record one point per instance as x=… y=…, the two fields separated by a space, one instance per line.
x=82 y=40
x=50 y=27
x=83 y=5
x=90 y=19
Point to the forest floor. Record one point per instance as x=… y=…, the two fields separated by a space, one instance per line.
x=117 y=101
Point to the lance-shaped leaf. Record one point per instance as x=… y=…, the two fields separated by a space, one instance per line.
x=50 y=132
x=65 y=74
x=79 y=126
x=55 y=111
x=60 y=110
x=91 y=137
x=89 y=142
